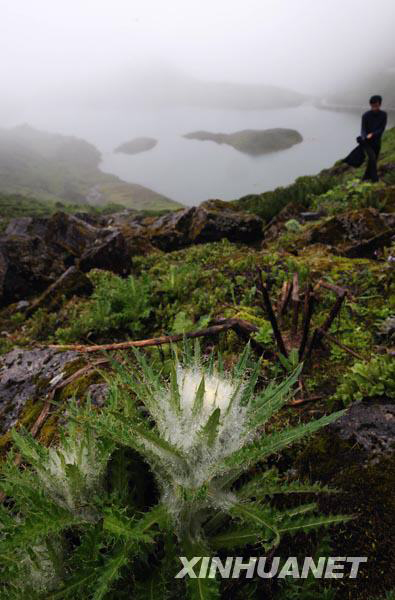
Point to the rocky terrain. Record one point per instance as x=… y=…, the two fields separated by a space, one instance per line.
x=73 y=285
x=251 y=141
x=36 y=252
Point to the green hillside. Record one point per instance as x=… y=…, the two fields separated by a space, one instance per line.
x=54 y=167
x=131 y=448
x=268 y=204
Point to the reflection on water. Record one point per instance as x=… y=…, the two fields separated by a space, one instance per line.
x=191 y=171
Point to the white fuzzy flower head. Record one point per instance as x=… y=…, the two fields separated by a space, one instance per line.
x=84 y=458
x=185 y=428
x=38 y=564
x=218 y=392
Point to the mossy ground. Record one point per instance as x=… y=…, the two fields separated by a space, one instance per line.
x=366 y=490
x=183 y=290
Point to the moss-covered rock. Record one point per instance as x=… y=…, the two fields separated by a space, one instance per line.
x=27 y=267
x=71 y=282
x=27 y=376
x=213 y=220
x=365 y=481
x=348 y=228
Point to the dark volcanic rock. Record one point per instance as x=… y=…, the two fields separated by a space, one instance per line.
x=35 y=252
x=31 y=226
x=209 y=222
x=171 y=231
x=65 y=234
x=71 y=282
x=27 y=376
x=111 y=254
x=27 y=266
x=372 y=426
x=216 y=219
x=69 y=234
x=368 y=248
x=347 y=229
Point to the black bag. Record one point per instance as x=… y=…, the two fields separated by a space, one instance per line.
x=356 y=156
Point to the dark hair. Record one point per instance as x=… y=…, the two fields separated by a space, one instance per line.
x=375 y=99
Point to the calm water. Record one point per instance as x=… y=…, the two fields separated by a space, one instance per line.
x=190 y=170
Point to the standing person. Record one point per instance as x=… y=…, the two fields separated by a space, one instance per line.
x=374 y=122
x=373 y=125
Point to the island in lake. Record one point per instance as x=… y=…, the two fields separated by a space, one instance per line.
x=141 y=144
x=252 y=141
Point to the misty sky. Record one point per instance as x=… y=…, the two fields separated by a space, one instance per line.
x=313 y=46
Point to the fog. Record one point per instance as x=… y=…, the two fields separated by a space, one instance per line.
x=67 y=65
x=313 y=46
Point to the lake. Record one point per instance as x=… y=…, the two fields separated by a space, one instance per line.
x=191 y=171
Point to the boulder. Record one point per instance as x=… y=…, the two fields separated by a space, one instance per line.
x=27 y=267
x=216 y=219
x=36 y=251
x=27 y=376
x=134 y=229
x=370 y=247
x=171 y=231
x=370 y=425
x=353 y=227
x=29 y=226
x=110 y=253
x=211 y=221
x=70 y=235
x=66 y=235
x=71 y=282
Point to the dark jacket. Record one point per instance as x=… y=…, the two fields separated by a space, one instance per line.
x=373 y=121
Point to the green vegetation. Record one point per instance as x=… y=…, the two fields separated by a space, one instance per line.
x=269 y=204
x=115 y=304
x=15 y=206
x=120 y=527
x=368 y=380
x=351 y=195
x=79 y=522
x=301 y=193
x=54 y=167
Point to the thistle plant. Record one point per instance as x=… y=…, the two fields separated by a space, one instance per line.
x=197 y=432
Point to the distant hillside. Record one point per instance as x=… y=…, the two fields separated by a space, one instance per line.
x=60 y=168
x=166 y=86
x=358 y=94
